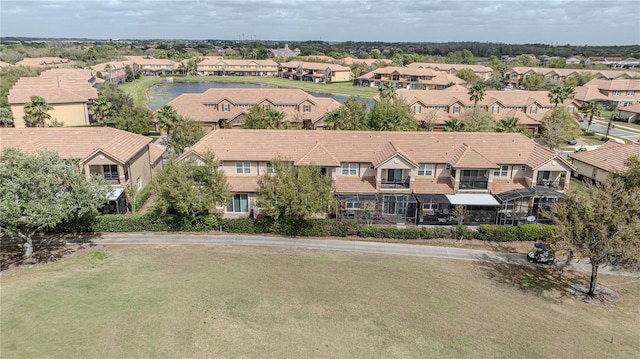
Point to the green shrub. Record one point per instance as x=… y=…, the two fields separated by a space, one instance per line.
x=142 y=198
x=534 y=232
x=238 y=225
x=340 y=228
x=497 y=233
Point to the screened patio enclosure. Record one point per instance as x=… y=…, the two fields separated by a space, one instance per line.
x=377 y=208
x=520 y=206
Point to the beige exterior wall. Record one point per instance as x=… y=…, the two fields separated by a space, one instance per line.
x=72 y=114
x=589 y=171
x=138 y=167
x=339 y=76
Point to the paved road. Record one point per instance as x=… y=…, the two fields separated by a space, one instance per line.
x=617 y=132
x=330 y=245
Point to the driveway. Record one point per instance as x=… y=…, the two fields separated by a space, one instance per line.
x=400 y=249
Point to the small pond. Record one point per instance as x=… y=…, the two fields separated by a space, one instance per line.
x=159 y=95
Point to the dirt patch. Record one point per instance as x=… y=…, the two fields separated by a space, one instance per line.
x=602 y=295
x=51 y=249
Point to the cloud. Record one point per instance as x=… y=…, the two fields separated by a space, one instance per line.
x=512 y=21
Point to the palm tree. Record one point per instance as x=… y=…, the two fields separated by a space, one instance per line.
x=613 y=106
x=511 y=124
x=591 y=109
x=453 y=125
x=6 y=116
x=168 y=119
x=476 y=93
x=559 y=94
x=101 y=110
x=274 y=119
x=35 y=112
x=387 y=91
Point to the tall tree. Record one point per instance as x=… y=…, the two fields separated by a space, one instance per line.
x=36 y=112
x=118 y=99
x=260 y=119
x=296 y=193
x=352 y=115
x=6 y=116
x=476 y=93
x=168 y=119
x=510 y=124
x=613 y=106
x=603 y=224
x=193 y=186
x=631 y=175
x=101 y=110
x=387 y=91
x=534 y=82
x=186 y=134
x=477 y=119
x=591 y=109
x=467 y=75
x=454 y=125
x=39 y=192
x=559 y=94
x=558 y=126
x=392 y=115
x=136 y=119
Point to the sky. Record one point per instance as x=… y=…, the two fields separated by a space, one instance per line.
x=575 y=22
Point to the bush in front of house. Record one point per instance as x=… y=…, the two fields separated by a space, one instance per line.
x=534 y=232
x=497 y=233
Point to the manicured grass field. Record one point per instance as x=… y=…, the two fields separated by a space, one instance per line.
x=138 y=88
x=197 y=302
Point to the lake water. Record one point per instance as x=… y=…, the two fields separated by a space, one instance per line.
x=159 y=95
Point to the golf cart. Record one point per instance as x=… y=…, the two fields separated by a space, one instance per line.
x=541 y=253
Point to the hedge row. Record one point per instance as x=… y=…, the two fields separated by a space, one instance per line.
x=524 y=232
x=307 y=228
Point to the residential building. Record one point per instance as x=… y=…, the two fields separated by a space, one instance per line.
x=484 y=72
x=46 y=62
x=285 y=52
x=409 y=78
x=318 y=58
x=113 y=71
x=516 y=75
x=348 y=61
x=402 y=176
x=154 y=67
x=70 y=92
x=618 y=62
x=224 y=67
x=573 y=61
x=226 y=107
x=436 y=107
x=4 y=64
x=624 y=92
x=598 y=164
x=315 y=71
x=122 y=158
x=630 y=113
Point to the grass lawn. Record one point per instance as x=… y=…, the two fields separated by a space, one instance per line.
x=138 y=88
x=190 y=301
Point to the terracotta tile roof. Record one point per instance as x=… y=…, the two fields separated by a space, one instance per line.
x=609 y=157
x=155 y=152
x=55 y=86
x=236 y=62
x=610 y=74
x=368 y=62
x=615 y=84
x=467 y=157
x=389 y=151
x=363 y=146
x=432 y=185
x=243 y=183
x=635 y=108
x=505 y=98
x=318 y=156
x=4 y=64
x=450 y=67
x=589 y=93
x=355 y=184
x=44 y=62
x=315 y=66
x=75 y=142
x=500 y=185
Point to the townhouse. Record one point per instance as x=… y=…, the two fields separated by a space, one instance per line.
x=598 y=164
x=315 y=72
x=122 y=158
x=619 y=62
x=348 y=61
x=409 y=78
x=226 y=107
x=223 y=67
x=483 y=72
x=46 y=62
x=411 y=177
x=630 y=113
x=70 y=92
x=437 y=107
x=516 y=75
x=113 y=71
x=624 y=92
x=285 y=52
x=149 y=66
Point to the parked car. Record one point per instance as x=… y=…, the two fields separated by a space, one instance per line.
x=572 y=142
x=541 y=253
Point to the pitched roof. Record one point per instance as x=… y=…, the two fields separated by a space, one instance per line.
x=615 y=84
x=608 y=158
x=315 y=66
x=388 y=152
x=44 y=62
x=432 y=185
x=364 y=146
x=467 y=157
x=346 y=184
x=55 y=86
x=318 y=156
x=451 y=67
x=76 y=142
x=243 y=183
x=635 y=108
x=506 y=98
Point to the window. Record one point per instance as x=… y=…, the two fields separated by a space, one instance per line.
x=430 y=206
x=110 y=172
x=126 y=176
x=416 y=109
x=503 y=171
x=570 y=109
x=349 y=169
x=425 y=170
x=534 y=109
x=352 y=203
x=243 y=167
x=630 y=93
x=306 y=108
x=523 y=168
x=269 y=168
x=616 y=93
x=225 y=107
x=138 y=183
x=447 y=167
x=239 y=203
x=266 y=106
x=496 y=109
x=456 y=109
